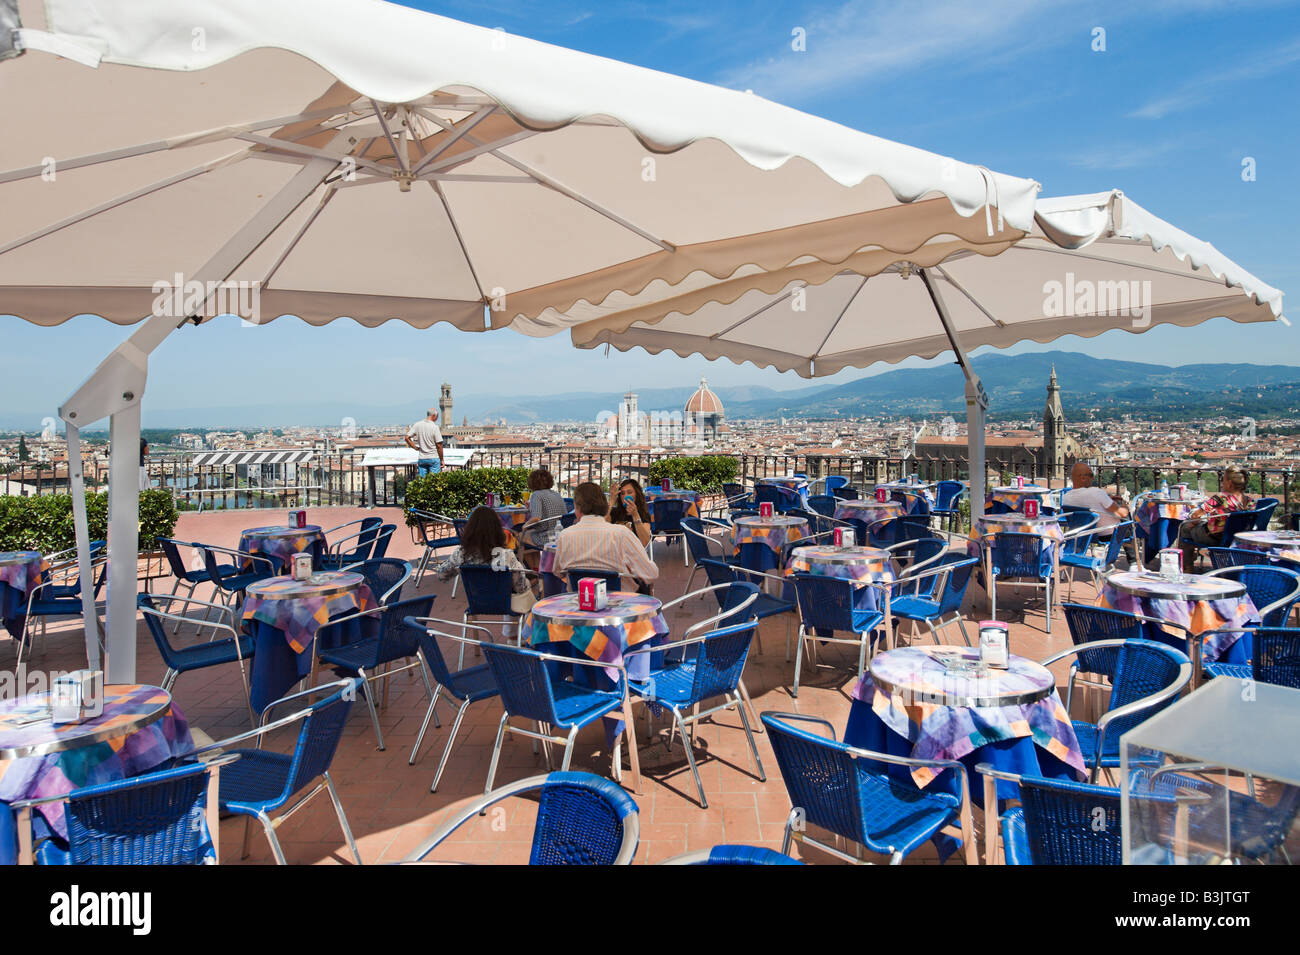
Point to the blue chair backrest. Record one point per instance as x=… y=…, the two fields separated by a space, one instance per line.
x=318 y=738
x=835 y=481
x=1142 y=667
x=747 y=855
x=718 y=572
x=1068 y=823
x=1119 y=533
x=1089 y=624
x=487 y=591
x=1264 y=509
x=696 y=545
x=945 y=493
x=364 y=542
x=720 y=660
x=214 y=569
x=382 y=574
x=1236 y=557
x=914 y=527
x=1237 y=522
x=775 y=495
x=1275 y=656
x=823 y=504
x=821 y=778
x=524 y=682
x=580 y=820
x=382 y=540
x=845 y=493
x=158 y=631
x=155 y=819
x=954 y=588
x=172 y=551
x=1072 y=521
x=398 y=640
x=1266 y=585
x=612 y=580
x=666 y=515
x=736 y=594
x=824 y=602
x=1019 y=555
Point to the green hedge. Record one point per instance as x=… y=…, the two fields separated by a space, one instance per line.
x=705 y=473
x=454 y=493
x=44 y=522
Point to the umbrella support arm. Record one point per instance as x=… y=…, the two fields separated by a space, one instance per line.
x=977 y=400
x=114 y=390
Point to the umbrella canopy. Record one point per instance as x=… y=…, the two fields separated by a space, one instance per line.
x=331 y=158
x=1091 y=264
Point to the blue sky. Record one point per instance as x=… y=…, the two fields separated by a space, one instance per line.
x=1182 y=93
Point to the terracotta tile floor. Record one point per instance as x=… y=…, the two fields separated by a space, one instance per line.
x=389 y=804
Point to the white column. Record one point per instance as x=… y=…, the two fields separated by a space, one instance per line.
x=123 y=542
x=77 y=488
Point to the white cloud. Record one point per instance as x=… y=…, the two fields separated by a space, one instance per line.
x=1200 y=89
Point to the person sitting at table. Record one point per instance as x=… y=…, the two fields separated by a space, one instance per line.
x=1109 y=511
x=593 y=543
x=544 y=504
x=1204 y=526
x=630 y=510
x=484 y=542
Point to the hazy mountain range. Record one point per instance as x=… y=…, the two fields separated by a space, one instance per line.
x=1016 y=385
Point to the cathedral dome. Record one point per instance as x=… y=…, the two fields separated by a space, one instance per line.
x=703 y=401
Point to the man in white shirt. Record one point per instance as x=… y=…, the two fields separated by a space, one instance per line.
x=426 y=439
x=593 y=543
x=1108 y=510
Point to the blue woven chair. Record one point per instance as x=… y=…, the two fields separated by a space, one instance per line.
x=168 y=817
x=1058 y=822
x=732 y=855
x=938 y=592
x=848 y=792
x=371 y=658
x=235 y=647
x=1021 y=556
x=781 y=498
x=736 y=496
x=529 y=693
x=423 y=523
x=262 y=782
x=845 y=493
x=1264 y=509
x=613 y=581
x=696 y=670
x=581 y=820
x=1148 y=676
x=827 y=606
x=1096 y=566
x=947 y=499
x=569 y=519
x=1274 y=658
x=385 y=576
x=764 y=605
x=823 y=504
x=703 y=546
x=352 y=547
x=465 y=686
x=1236 y=557
x=1079 y=528
x=229 y=585
x=382 y=540
x=59 y=595
x=1088 y=624
x=666 y=521
x=1273 y=590
x=833 y=482
x=189 y=577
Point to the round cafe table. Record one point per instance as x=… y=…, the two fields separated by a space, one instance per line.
x=1195 y=603
x=284 y=616
x=20 y=571
x=1282 y=546
x=1013 y=498
x=282 y=542
x=760 y=542
x=986 y=527
x=864 y=566
x=796 y=485
x=1160 y=518
x=139 y=729
x=911 y=495
x=692 y=499
x=868 y=511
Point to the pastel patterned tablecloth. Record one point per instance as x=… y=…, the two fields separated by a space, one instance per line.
x=604 y=635
x=653 y=494
x=909 y=494
x=283 y=542
x=799 y=486
x=300 y=608
x=1282 y=545
x=1196 y=602
x=862 y=565
x=133 y=750
x=1153 y=509
x=1014 y=497
x=772 y=532
x=918 y=676
x=19 y=571
x=869 y=511
x=988 y=527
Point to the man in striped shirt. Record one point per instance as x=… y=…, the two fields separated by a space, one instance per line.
x=593 y=543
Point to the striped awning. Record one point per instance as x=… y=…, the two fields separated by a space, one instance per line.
x=214 y=458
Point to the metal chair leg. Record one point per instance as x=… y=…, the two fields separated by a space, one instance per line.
x=798 y=660
x=568 y=750
x=749 y=733
x=688 y=743
x=431 y=713
x=496 y=753
x=451 y=741
x=343 y=818
x=368 y=689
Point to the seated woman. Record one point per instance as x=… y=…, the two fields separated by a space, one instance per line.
x=1204 y=527
x=544 y=504
x=484 y=542
x=629 y=509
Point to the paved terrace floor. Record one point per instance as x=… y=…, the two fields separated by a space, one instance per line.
x=389 y=804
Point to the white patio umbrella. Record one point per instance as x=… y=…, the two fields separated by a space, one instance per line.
x=329 y=158
x=1091 y=264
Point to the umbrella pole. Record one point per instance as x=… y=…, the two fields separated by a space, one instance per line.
x=85 y=569
x=977 y=400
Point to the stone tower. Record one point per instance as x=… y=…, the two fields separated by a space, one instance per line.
x=444 y=406
x=1054 y=442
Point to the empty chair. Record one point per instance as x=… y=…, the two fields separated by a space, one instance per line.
x=385 y=576
x=848 y=792
x=703 y=546
x=1274 y=658
x=465 y=686
x=764 y=605
x=947 y=498
x=937 y=594
x=1147 y=677
x=833 y=482
x=1236 y=557
x=59 y=596
x=1273 y=590
x=732 y=855
x=234 y=647
x=1076 y=551
x=262 y=782
x=828 y=605
x=581 y=820
x=781 y=498
x=1089 y=624
x=230 y=584
x=823 y=504
x=389 y=640
x=190 y=577
x=1058 y=822
x=735 y=495
x=424 y=522
x=353 y=546
x=529 y=693
x=382 y=540
x=1097 y=565
x=697 y=670
x=1024 y=557
x=167 y=817
x=666 y=520
x=845 y=493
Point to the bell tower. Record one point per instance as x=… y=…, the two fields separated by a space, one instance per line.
x=444 y=407
x=1054 y=439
